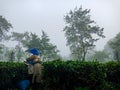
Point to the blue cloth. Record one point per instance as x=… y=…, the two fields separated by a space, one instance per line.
x=31 y=62
x=34 y=51
x=23 y=84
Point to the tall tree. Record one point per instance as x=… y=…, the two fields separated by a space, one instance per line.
x=99 y=56
x=48 y=50
x=2 y=46
x=4 y=28
x=109 y=51
x=31 y=40
x=115 y=45
x=81 y=32
x=10 y=55
x=19 y=53
x=19 y=37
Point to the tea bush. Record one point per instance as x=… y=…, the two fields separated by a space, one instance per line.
x=65 y=75
x=113 y=73
x=10 y=73
x=71 y=74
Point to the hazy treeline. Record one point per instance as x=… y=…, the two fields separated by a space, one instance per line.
x=81 y=34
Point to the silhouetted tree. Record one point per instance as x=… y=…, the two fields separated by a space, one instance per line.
x=81 y=32
x=4 y=28
x=115 y=45
x=48 y=50
x=99 y=56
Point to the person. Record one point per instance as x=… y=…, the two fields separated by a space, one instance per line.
x=37 y=72
x=34 y=71
x=29 y=62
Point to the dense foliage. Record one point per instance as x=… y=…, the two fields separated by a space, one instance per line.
x=4 y=28
x=66 y=75
x=11 y=73
x=72 y=74
x=29 y=40
x=115 y=45
x=113 y=73
x=81 y=32
x=99 y=55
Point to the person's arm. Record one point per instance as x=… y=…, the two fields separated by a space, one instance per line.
x=26 y=63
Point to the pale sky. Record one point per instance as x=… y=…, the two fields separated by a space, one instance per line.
x=48 y=15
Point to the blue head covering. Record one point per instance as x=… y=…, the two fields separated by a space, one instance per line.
x=34 y=51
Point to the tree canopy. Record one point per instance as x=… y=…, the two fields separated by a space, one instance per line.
x=81 y=32
x=99 y=56
x=115 y=45
x=4 y=28
x=31 y=40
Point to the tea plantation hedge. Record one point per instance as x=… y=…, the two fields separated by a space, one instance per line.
x=113 y=74
x=65 y=75
x=10 y=73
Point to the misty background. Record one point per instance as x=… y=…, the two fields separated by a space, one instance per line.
x=48 y=15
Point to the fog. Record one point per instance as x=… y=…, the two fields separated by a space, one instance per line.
x=48 y=15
